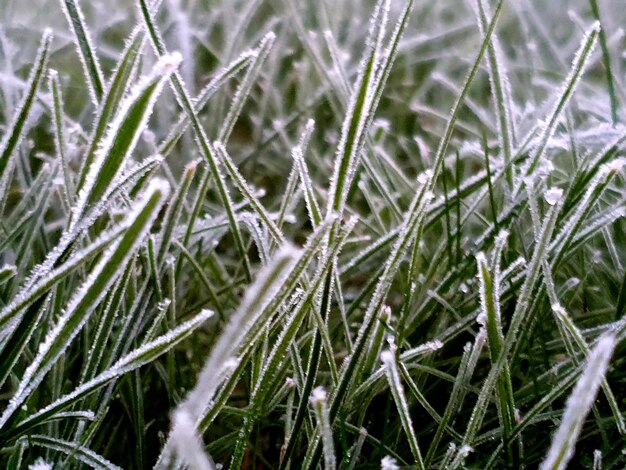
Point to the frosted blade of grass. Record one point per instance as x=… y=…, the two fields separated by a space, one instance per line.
x=571 y=82
x=88 y=296
x=606 y=59
x=248 y=193
x=258 y=297
x=578 y=405
x=319 y=402
x=31 y=291
x=393 y=378
x=116 y=90
x=275 y=282
x=73 y=449
x=490 y=317
x=145 y=354
x=7 y=272
x=174 y=211
x=15 y=129
x=315 y=214
x=442 y=148
x=59 y=136
x=252 y=74
x=389 y=55
x=519 y=318
x=123 y=135
x=567 y=323
x=354 y=127
x=500 y=93
x=355 y=452
x=372 y=249
x=113 y=303
x=86 y=51
x=568 y=328
x=201 y=100
x=290 y=197
x=594 y=189
x=467 y=364
x=374 y=348
x=203 y=278
x=597 y=459
x=206 y=149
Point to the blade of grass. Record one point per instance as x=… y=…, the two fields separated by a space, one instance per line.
x=15 y=130
x=578 y=405
x=86 y=52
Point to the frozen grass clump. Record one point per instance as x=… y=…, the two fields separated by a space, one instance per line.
x=298 y=234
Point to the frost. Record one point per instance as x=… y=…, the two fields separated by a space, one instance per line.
x=553 y=195
x=389 y=463
x=186 y=441
x=40 y=464
x=318 y=395
x=387 y=358
x=425 y=177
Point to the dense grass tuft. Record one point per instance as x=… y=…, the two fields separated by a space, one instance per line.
x=295 y=234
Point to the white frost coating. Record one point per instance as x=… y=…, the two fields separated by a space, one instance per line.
x=481 y=261
x=40 y=464
x=553 y=195
x=387 y=358
x=83 y=302
x=187 y=443
x=318 y=395
x=9 y=268
x=388 y=463
x=425 y=177
x=616 y=165
x=502 y=236
x=578 y=404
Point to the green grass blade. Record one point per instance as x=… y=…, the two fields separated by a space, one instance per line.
x=15 y=130
x=319 y=402
x=86 y=52
x=123 y=135
x=578 y=405
x=393 y=378
x=115 y=92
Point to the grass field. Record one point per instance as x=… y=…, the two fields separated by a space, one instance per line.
x=298 y=234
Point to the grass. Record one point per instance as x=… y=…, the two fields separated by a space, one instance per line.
x=289 y=234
